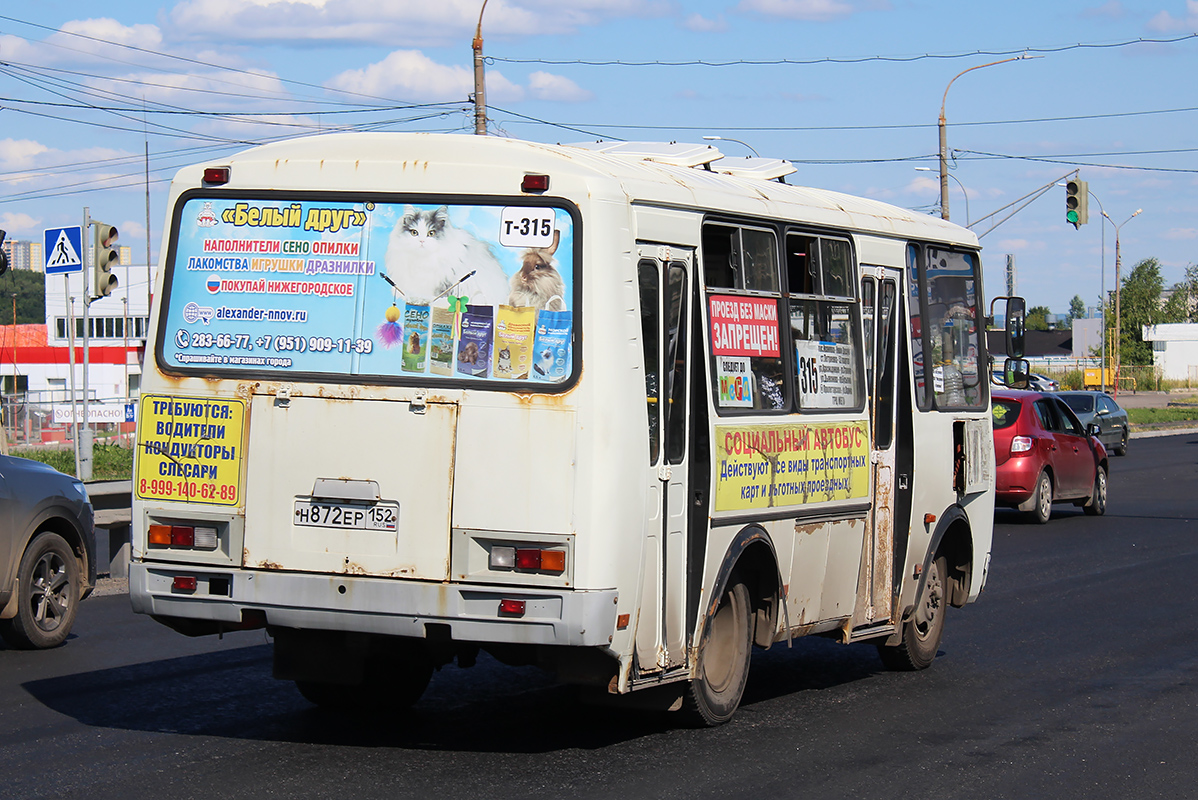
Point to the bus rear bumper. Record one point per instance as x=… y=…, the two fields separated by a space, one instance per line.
x=387 y=606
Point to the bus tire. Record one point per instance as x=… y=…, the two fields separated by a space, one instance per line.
x=923 y=630
x=47 y=595
x=724 y=653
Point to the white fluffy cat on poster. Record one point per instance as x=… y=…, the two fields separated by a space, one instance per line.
x=427 y=254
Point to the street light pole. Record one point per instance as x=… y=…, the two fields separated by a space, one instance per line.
x=963 y=191
x=944 y=135
x=480 y=83
x=727 y=139
x=1118 y=292
x=1102 y=293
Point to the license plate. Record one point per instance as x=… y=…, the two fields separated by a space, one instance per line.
x=376 y=517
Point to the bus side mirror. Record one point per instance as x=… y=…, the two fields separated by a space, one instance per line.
x=1094 y=429
x=1016 y=312
x=1015 y=372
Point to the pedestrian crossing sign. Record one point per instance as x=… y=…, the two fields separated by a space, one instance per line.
x=63 y=248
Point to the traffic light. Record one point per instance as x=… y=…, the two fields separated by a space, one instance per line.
x=105 y=256
x=1077 y=202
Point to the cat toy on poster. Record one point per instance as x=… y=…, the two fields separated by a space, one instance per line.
x=391 y=331
x=457 y=305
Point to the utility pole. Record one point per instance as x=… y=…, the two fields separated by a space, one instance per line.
x=480 y=83
x=86 y=437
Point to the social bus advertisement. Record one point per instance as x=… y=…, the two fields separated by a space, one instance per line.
x=460 y=292
x=767 y=466
x=190 y=449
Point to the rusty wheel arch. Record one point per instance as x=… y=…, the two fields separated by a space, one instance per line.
x=953 y=538
x=751 y=556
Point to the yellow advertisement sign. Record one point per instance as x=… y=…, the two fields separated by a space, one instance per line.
x=190 y=449
x=767 y=466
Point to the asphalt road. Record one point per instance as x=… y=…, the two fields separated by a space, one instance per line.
x=1075 y=676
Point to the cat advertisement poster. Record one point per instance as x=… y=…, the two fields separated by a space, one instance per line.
x=370 y=288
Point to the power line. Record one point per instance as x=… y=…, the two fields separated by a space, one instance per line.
x=837 y=60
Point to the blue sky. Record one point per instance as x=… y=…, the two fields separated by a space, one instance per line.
x=849 y=90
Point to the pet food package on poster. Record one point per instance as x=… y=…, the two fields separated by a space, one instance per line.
x=474 y=346
x=415 y=338
x=513 y=342
x=440 y=341
x=551 y=348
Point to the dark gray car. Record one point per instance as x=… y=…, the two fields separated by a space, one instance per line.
x=1100 y=408
x=47 y=552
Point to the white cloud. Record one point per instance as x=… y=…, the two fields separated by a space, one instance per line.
x=19 y=225
x=1164 y=21
x=20 y=153
x=1113 y=9
x=546 y=86
x=811 y=10
x=1181 y=233
x=411 y=75
x=402 y=23
x=701 y=24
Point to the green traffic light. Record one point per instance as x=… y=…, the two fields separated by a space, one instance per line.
x=1071 y=216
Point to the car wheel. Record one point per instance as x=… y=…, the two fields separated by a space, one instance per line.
x=1121 y=448
x=48 y=595
x=724 y=653
x=923 y=631
x=1097 y=505
x=1042 y=499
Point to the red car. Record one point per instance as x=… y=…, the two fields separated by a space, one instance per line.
x=1045 y=455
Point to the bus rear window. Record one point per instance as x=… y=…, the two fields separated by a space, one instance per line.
x=336 y=288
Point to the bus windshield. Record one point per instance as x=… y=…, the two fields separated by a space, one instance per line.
x=333 y=289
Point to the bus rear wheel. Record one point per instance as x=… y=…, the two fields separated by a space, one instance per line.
x=724 y=653
x=923 y=631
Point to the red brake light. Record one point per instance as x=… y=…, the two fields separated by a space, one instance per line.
x=184 y=583
x=528 y=559
x=512 y=607
x=183 y=536
x=216 y=176
x=535 y=183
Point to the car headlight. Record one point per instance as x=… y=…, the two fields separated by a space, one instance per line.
x=79 y=487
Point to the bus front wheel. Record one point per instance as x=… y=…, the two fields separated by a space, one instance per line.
x=724 y=653
x=923 y=631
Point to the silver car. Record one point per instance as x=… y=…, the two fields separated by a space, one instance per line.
x=1100 y=408
x=47 y=552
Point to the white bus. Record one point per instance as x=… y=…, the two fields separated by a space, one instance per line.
x=623 y=411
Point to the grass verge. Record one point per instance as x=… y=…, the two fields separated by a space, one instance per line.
x=110 y=462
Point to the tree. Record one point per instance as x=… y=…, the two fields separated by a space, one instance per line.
x=1140 y=305
x=1036 y=318
x=1182 y=305
x=30 y=289
x=1077 y=308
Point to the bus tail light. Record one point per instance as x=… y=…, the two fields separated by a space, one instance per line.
x=184 y=583
x=198 y=537
x=531 y=559
x=1021 y=444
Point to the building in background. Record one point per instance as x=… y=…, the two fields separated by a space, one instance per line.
x=1174 y=350
x=35 y=368
x=24 y=255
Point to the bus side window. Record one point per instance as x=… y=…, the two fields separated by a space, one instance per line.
x=719 y=259
x=650 y=325
x=801 y=260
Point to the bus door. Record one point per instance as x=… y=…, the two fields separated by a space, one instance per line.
x=880 y=295
x=664 y=274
